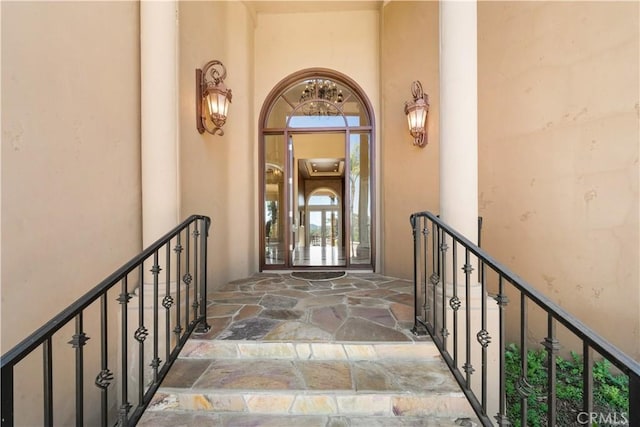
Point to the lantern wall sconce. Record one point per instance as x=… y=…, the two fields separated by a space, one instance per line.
x=212 y=98
x=417 y=112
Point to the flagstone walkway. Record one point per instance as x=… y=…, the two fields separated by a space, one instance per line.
x=277 y=307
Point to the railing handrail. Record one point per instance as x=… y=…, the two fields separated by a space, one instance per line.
x=616 y=356
x=38 y=337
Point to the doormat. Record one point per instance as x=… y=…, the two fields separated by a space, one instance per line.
x=318 y=275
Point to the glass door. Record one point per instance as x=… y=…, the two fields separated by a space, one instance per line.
x=317 y=162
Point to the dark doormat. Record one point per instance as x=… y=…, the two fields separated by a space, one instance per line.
x=318 y=275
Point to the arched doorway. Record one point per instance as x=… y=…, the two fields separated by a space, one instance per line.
x=316 y=174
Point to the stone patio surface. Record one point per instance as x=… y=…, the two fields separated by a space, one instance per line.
x=277 y=307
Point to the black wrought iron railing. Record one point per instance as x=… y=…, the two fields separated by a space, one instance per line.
x=463 y=300
x=100 y=361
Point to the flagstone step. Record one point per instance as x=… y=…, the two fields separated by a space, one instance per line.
x=395 y=380
x=161 y=419
x=219 y=349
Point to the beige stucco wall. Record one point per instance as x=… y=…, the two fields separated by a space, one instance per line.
x=410 y=175
x=558 y=154
x=70 y=153
x=217 y=172
x=345 y=41
x=70 y=160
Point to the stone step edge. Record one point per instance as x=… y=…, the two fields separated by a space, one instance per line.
x=432 y=404
x=155 y=418
x=218 y=349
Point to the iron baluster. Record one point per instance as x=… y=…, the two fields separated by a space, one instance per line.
x=502 y=301
x=634 y=398
x=167 y=301
x=196 y=235
x=524 y=389
x=203 y=325
x=414 y=220
x=78 y=342
x=48 y=381
x=187 y=278
x=454 y=303
x=468 y=366
x=434 y=282
x=425 y=266
x=104 y=377
x=552 y=346
x=434 y=276
x=443 y=331
x=178 y=250
x=587 y=378
x=155 y=363
x=483 y=336
x=6 y=408
x=140 y=335
x=124 y=299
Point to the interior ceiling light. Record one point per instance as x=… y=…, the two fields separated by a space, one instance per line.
x=321 y=98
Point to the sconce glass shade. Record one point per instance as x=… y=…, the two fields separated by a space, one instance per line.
x=218 y=100
x=417 y=112
x=211 y=91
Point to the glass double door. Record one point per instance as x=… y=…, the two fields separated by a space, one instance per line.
x=317 y=200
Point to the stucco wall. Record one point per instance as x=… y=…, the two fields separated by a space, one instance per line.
x=70 y=153
x=70 y=158
x=410 y=175
x=217 y=172
x=558 y=154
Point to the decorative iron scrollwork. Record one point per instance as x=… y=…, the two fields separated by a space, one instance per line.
x=156 y=269
x=79 y=340
x=484 y=338
x=551 y=344
x=455 y=303
x=167 y=302
x=196 y=233
x=467 y=268
x=502 y=300
x=103 y=379
x=155 y=363
x=523 y=387
x=444 y=247
x=434 y=279
x=124 y=298
x=444 y=332
x=141 y=334
x=468 y=368
x=187 y=278
x=425 y=231
x=178 y=248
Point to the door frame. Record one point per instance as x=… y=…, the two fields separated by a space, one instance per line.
x=272 y=97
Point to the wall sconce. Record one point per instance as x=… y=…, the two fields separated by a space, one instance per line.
x=212 y=98
x=417 y=111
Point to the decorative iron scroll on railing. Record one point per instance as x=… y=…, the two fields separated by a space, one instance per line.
x=95 y=356
x=463 y=300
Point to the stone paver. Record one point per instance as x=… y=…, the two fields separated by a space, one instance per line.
x=269 y=306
